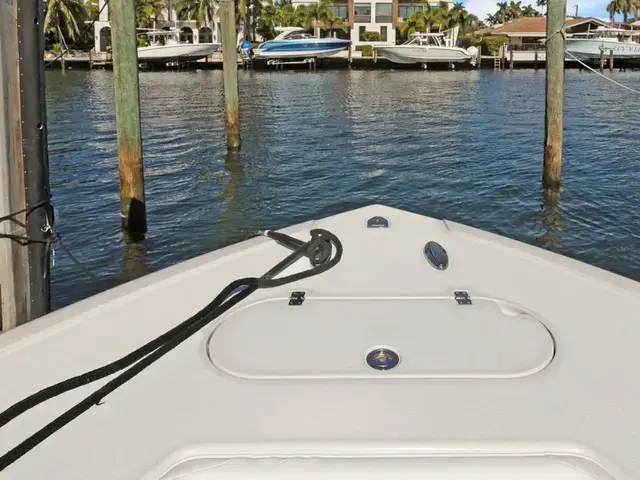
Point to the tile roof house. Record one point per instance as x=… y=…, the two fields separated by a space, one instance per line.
x=525 y=34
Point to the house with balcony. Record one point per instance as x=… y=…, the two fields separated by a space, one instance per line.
x=190 y=32
x=380 y=16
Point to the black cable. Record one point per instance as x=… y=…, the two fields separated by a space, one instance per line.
x=154 y=350
x=84 y=32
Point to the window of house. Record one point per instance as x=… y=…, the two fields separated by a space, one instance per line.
x=362 y=12
x=340 y=11
x=362 y=8
x=383 y=33
x=408 y=10
x=383 y=13
x=361 y=31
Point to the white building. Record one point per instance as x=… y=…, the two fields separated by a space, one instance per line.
x=380 y=16
x=189 y=30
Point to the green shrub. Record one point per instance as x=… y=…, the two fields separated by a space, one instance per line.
x=371 y=37
x=491 y=45
x=367 y=50
x=471 y=41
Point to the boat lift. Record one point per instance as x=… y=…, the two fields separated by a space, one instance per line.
x=279 y=63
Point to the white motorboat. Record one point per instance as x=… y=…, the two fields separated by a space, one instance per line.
x=429 y=48
x=169 y=48
x=408 y=347
x=589 y=45
x=294 y=42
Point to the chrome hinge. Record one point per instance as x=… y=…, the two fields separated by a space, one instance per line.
x=296 y=298
x=462 y=298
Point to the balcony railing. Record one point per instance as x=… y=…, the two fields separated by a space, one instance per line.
x=384 y=19
x=526 y=47
x=362 y=18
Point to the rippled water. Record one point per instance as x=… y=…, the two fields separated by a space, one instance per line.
x=466 y=146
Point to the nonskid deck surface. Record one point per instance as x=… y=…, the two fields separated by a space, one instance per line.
x=533 y=358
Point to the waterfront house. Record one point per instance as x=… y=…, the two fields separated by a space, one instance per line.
x=525 y=35
x=380 y=16
x=190 y=32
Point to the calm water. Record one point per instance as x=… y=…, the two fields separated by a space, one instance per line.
x=466 y=146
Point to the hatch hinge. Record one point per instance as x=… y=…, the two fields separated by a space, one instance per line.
x=462 y=298
x=296 y=298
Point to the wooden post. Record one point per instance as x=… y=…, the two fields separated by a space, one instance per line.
x=230 y=72
x=535 y=60
x=91 y=59
x=24 y=174
x=350 y=57
x=552 y=167
x=124 y=48
x=511 y=57
x=601 y=59
x=14 y=262
x=479 y=59
x=611 y=60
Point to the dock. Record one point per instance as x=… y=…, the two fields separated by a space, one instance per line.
x=506 y=60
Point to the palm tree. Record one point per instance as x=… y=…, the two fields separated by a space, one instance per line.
x=503 y=11
x=627 y=6
x=332 y=22
x=461 y=17
x=613 y=8
x=529 y=11
x=146 y=10
x=317 y=14
x=202 y=11
x=542 y=4
x=515 y=9
x=62 y=17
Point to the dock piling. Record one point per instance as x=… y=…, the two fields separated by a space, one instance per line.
x=127 y=98
x=511 y=58
x=611 y=60
x=24 y=167
x=535 y=60
x=230 y=72
x=552 y=166
x=601 y=60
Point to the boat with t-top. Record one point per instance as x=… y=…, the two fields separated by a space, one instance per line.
x=437 y=47
x=589 y=45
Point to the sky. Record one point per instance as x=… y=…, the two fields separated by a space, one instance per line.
x=586 y=8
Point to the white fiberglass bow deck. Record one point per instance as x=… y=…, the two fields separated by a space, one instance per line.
x=429 y=350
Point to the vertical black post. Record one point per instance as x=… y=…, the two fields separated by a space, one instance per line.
x=34 y=150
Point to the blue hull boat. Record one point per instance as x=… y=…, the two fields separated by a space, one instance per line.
x=293 y=42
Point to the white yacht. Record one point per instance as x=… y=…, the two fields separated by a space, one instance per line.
x=429 y=48
x=378 y=344
x=589 y=45
x=169 y=48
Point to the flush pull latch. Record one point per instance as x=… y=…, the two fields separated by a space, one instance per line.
x=296 y=298
x=462 y=298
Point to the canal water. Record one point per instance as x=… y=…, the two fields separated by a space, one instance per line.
x=465 y=146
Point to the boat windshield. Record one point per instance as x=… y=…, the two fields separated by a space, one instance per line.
x=602 y=32
x=426 y=39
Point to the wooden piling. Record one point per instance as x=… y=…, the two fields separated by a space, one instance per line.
x=14 y=274
x=535 y=60
x=611 y=60
x=552 y=166
x=24 y=168
x=601 y=60
x=124 y=50
x=230 y=72
x=511 y=58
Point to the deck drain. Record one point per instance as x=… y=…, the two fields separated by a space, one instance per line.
x=382 y=359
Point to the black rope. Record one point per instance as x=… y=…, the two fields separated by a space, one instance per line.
x=84 y=32
x=25 y=240
x=146 y=355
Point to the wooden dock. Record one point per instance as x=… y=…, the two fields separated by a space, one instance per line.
x=508 y=61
